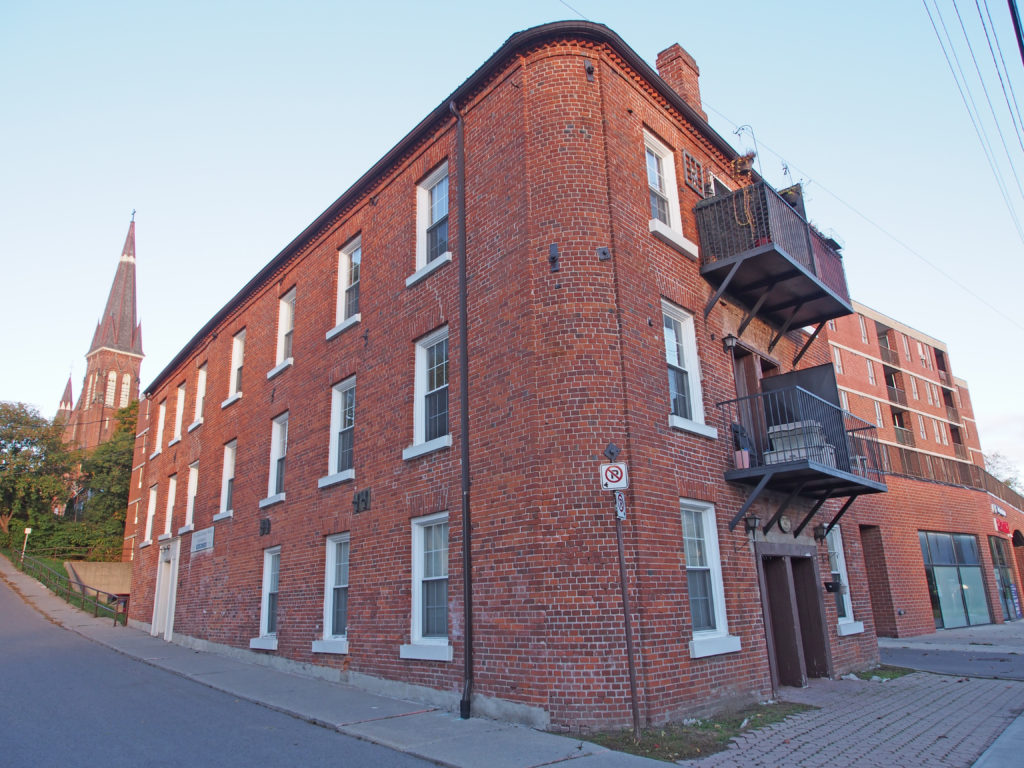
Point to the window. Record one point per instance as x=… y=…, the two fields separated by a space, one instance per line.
x=197 y=416
x=944 y=433
x=429 y=631
x=335 y=639
x=906 y=345
x=871 y=372
x=172 y=490
x=126 y=390
x=844 y=400
x=704 y=581
x=349 y=260
x=278 y=452
x=285 y=333
x=913 y=388
x=663 y=195
x=863 y=329
x=111 y=389
x=237 y=359
x=267 y=641
x=920 y=352
x=831 y=325
x=91 y=389
x=227 y=484
x=935 y=428
x=161 y=417
x=147 y=539
x=179 y=413
x=878 y=414
x=922 y=430
x=837 y=355
x=343 y=419
x=430 y=417
x=686 y=402
x=837 y=565
x=935 y=393
x=431 y=224
x=928 y=393
x=190 y=503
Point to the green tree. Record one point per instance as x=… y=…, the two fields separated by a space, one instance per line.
x=35 y=467
x=1003 y=469
x=106 y=476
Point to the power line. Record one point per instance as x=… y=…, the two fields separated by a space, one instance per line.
x=880 y=228
x=1014 y=110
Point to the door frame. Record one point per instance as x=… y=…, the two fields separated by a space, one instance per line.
x=165 y=593
x=764 y=549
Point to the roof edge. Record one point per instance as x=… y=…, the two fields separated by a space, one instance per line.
x=516 y=42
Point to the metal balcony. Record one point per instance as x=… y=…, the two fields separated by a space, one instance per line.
x=961 y=451
x=793 y=441
x=897 y=395
x=761 y=254
x=945 y=379
x=904 y=436
x=953 y=414
x=889 y=355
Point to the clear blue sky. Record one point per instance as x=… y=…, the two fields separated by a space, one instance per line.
x=230 y=126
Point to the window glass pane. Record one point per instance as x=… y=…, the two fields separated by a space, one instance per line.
x=974 y=596
x=435 y=551
x=941 y=546
x=966 y=549
x=339 y=611
x=674 y=342
x=439 y=200
x=679 y=392
x=701 y=605
x=655 y=176
x=693 y=539
x=435 y=608
x=951 y=602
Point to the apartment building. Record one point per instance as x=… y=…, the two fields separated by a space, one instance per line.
x=387 y=457
x=944 y=548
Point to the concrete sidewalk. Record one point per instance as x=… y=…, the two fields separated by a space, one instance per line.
x=918 y=720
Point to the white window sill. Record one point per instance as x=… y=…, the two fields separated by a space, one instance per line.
x=330 y=646
x=154 y=454
x=426 y=652
x=271 y=499
x=175 y=441
x=164 y=537
x=420 y=449
x=337 y=477
x=673 y=238
x=231 y=399
x=845 y=628
x=426 y=269
x=268 y=643
x=224 y=515
x=282 y=366
x=195 y=425
x=713 y=645
x=186 y=529
x=343 y=325
x=688 y=425
x=146 y=543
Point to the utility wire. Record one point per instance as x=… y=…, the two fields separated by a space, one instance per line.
x=880 y=228
x=968 y=100
x=1015 y=109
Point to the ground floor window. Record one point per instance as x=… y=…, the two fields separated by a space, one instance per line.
x=952 y=565
x=1006 y=585
x=267 y=639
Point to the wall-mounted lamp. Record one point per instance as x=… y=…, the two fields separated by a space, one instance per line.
x=729 y=343
x=819 y=532
x=752 y=523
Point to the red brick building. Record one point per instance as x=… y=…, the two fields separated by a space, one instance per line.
x=945 y=546
x=381 y=458
x=112 y=363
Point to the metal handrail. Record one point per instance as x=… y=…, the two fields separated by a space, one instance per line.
x=64 y=586
x=795 y=425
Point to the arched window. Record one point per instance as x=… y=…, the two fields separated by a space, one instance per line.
x=111 y=388
x=126 y=390
x=92 y=385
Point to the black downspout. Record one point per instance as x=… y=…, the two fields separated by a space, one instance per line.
x=467 y=560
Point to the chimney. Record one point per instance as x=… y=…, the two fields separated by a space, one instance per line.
x=680 y=71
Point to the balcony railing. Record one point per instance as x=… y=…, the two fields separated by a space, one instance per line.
x=750 y=242
x=961 y=451
x=795 y=427
x=945 y=378
x=904 y=436
x=889 y=355
x=953 y=414
x=897 y=395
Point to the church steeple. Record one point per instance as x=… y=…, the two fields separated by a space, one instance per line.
x=118 y=328
x=67 y=403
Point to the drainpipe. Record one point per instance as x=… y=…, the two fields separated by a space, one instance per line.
x=467 y=561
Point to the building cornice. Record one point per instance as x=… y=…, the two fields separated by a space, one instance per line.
x=517 y=44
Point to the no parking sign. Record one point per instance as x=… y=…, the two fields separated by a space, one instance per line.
x=614 y=477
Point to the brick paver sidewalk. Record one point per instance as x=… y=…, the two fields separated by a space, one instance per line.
x=912 y=721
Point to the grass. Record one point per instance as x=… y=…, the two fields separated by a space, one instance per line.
x=884 y=671
x=697 y=738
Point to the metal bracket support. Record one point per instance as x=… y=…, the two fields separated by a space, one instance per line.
x=782 y=507
x=841 y=512
x=750 y=500
x=810 y=515
x=721 y=289
x=807 y=344
x=785 y=326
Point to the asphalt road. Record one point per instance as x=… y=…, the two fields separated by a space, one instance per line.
x=1003 y=666
x=65 y=701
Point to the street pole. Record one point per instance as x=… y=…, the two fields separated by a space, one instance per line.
x=629 y=632
x=25 y=544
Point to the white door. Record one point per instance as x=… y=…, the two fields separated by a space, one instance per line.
x=166 y=590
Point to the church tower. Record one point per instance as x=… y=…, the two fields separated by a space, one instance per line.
x=112 y=363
